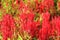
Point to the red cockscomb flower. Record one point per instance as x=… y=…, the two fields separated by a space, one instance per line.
x=7 y=26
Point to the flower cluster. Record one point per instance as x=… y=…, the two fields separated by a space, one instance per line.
x=30 y=20
x=7 y=26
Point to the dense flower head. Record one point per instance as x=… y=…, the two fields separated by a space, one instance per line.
x=46 y=16
x=28 y=20
x=46 y=27
x=56 y=24
x=45 y=5
x=7 y=26
x=48 y=3
x=28 y=24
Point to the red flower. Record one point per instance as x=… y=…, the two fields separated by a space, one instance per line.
x=29 y=25
x=41 y=6
x=23 y=16
x=56 y=24
x=7 y=26
x=26 y=20
x=30 y=16
x=44 y=5
x=48 y=4
x=46 y=16
x=44 y=32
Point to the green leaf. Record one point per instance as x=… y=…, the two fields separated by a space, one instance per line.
x=0 y=14
x=0 y=37
x=25 y=1
x=3 y=4
x=34 y=38
x=55 y=1
x=8 y=38
x=19 y=37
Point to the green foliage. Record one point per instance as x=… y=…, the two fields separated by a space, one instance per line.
x=34 y=38
x=0 y=37
x=19 y=37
